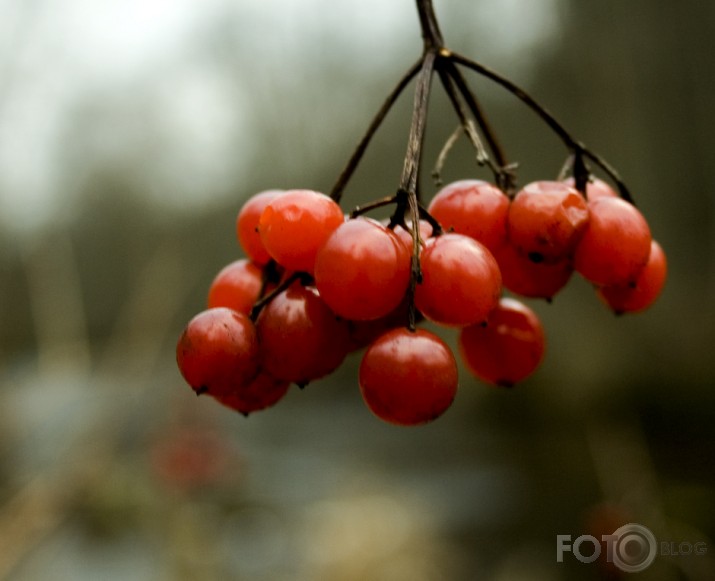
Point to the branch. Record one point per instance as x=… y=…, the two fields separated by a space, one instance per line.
x=474 y=106
x=407 y=192
x=576 y=146
x=431 y=34
x=337 y=191
x=410 y=168
x=469 y=128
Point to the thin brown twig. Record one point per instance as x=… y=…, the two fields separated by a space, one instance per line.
x=474 y=106
x=443 y=153
x=572 y=143
x=469 y=127
x=337 y=191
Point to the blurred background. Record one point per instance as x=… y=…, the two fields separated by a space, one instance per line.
x=130 y=134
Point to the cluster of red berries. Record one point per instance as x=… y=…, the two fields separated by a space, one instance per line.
x=317 y=286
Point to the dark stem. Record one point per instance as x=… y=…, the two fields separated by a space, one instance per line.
x=576 y=146
x=271 y=274
x=468 y=127
x=471 y=100
x=580 y=173
x=444 y=152
x=407 y=192
x=611 y=171
x=410 y=168
x=521 y=94
x=359 y=210
x=263 y=301
x=337 y=191
x=431 y=34
x=437 y=229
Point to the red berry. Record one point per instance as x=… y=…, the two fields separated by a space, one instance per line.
x=546 y=220
x=217 y=351
x=474 y=208
x=508 y=348
x=247 y=225
x=301 y=339
x=408 y=378
x=595 y=188
x=261 y=393
x=295 y=224
x=531 y=279
x=616 y=244
x=647 y=288
x=363 y=270
x=461 y=282
x=236 y=286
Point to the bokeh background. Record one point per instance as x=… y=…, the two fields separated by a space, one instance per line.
x=130 y=134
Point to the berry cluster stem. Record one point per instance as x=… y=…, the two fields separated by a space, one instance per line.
x=337 y=192
x=446 y=62
x=407 y=192
x=577 y=147
x=437 y=58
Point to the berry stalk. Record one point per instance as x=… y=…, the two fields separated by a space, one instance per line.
x=337 y=192
x=407 y=192
x=578 y=147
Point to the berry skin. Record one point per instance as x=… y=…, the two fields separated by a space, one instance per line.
x=247 y=225
x=301 y=339
x=616 y=244
x=236 y=286
x=363 y=270
x=217 y=351
x=408 y=378
x=508 y=348
x=261 y=393
x=531 y=279
x=474 y=208
x=647 y=288
x=461 y=282
x=546 y=220
x=294 y=225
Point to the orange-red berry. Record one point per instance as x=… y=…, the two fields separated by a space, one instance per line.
x=408 y=378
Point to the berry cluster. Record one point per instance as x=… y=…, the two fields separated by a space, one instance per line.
x=317 y=285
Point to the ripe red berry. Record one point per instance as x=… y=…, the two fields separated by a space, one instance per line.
x=217 y=351
x=508 y=348
x=461 y=282
x=363 y=270
x=295 y=224
x=247 y=225
x=647 y=287
x=615 y=246
x=531 y=279
x=301 y=339
x=474 y=208
x=408 y=378
x=546 y=220
x=261 y=393
x=236 y=286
